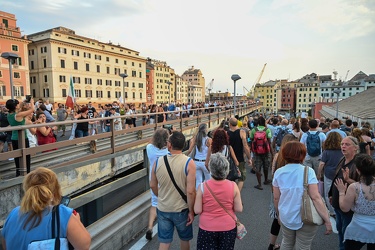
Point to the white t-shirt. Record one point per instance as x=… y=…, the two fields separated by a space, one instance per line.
x=322 y=137
x=154 y=153
x=289 y=179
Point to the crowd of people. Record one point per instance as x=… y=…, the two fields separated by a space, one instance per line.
x=339 y=156
x=277 y=149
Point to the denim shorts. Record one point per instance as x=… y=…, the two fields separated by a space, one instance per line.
x=168 y=220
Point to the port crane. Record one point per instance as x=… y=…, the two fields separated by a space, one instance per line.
x=209 y=88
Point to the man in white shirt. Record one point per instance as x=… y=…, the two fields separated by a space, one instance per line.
x=313 y=141
x=117 y=121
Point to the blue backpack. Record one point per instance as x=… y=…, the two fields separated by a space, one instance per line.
x=313 y=144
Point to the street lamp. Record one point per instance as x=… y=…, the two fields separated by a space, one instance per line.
x=169 y=91
x=11 y=57
x=235 y=78
x=123 y=75
x=337 y=92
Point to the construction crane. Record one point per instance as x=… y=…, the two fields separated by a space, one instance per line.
x=209 y=88
x=346 y=77
x=258 y=80
x=246 y=92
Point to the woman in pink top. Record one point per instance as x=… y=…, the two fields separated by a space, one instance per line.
x=217 y=229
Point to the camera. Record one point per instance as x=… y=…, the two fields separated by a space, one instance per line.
x=28 y=98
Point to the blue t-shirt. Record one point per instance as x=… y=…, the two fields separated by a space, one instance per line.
x=16 y=237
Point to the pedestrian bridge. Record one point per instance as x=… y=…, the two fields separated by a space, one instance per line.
x=109 y=186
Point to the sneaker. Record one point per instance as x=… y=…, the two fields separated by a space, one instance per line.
x=149 y=235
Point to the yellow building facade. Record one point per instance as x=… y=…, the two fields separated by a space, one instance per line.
x=196 y=81
x=164 y=82
x=58 y=54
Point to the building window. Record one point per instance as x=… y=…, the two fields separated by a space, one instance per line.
x=31 y=64
x=108 y=94
x=88 y=93
x=16 y=75
x=117 y=83
x=45 y=78
x=44 y=63
x=126 y=84
x=116 y=60
x=19 y=61
x=108 y=82
x=63 y=92
x=62 y=78
x=99 y=94
x=140 y=74
x=99 y=81
x=88 y=81
x=86 y=55
x=98 y=57
x=31 y=52
x=124 y=62
x=134 y=73
x=133 y=84
x=62 y=63
x=98 y=68
x=132 y=63
x=77 y=92
x=140 y=65
x=107 y=70
x=75 y=65
x=76 y=79
x=14 y=48
x=43 y=50
x=45 y=93
x=75 y=52
x=126 y=95
x=3 y=91
x=117 y=94
x=107 y=59
x=61 y=50
x=140 y=95
x=87 y=67
x=133 y=95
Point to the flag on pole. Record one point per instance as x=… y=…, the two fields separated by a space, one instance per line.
x=71 y=95
x=121 y=100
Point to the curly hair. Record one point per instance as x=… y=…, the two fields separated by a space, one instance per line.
x=160 y=138
x=333 y=141
x=219 y=140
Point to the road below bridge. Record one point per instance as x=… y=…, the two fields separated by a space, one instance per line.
x=256 y=219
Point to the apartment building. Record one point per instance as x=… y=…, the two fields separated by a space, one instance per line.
x=194 y=77
x=59 y=54
x=285 y=96
x=266 y=93
x=181 y=90
x=359 y=83
x=195 y=93
x=12 y=41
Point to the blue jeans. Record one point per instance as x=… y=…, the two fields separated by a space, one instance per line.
x=107 y=128
x=81 y=133
x=342 y=221
x=167 y=221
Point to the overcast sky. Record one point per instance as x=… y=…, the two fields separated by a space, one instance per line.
x=294 y=37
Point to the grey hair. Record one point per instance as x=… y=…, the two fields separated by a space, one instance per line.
x=160 y=138
x=218 y=166
x=355 y=141
x=201 y=134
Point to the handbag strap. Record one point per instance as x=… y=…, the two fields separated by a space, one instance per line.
x=56 y=216
x=184 y=197
x=305 y=173
x=221 y=205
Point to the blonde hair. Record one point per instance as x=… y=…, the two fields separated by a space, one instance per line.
x=41 y=189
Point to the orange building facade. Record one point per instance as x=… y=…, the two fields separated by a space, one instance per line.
x=12 y=41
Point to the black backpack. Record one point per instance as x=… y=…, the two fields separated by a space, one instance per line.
x=280 y=135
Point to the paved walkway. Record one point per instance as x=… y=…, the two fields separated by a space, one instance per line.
x=256 y=219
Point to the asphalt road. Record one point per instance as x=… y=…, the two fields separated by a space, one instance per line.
x=257 y=221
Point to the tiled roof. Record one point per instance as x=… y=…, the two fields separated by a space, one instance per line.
x=360 y=105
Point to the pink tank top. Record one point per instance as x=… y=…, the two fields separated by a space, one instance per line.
x=214 y=218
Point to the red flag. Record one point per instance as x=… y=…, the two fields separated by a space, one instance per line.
x=71 y=95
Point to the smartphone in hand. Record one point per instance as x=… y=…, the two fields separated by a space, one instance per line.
x=65 y=200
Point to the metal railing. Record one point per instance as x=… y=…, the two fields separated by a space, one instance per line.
x=78 y=150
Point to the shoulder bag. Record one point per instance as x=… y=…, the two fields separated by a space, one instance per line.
x=241 y=230
x=309 y=214
x=56 y=242
x=234 y=171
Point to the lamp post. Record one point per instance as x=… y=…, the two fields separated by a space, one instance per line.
x=337 y=92
x=11 y=57
x=235 y=78
x=169 y=91
x=123 y=75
